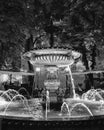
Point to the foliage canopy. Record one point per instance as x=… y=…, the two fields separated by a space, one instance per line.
x=56 y=22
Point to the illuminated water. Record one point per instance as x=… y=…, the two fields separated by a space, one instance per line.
x=23 y=90
x=72 y=82
x=13 y=104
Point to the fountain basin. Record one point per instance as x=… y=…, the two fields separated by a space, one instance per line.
x=18 y=111
x=96 y=107
x=52 y=57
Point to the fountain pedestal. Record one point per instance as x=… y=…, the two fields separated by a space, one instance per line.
x=53 y=59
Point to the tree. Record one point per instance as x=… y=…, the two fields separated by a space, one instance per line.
x=68 y=22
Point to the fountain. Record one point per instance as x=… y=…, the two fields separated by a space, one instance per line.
x=10 y=93
x=53 y=57
x=79 y=105
x=52 y=60
x=14 y=104
x=47 y=104
x=72 y=81
x=101 y=92
x=79 y=109
x=91 y=103
x=21 y=90
x=22 y=98
x=65 y=109
x=5 y=96
x=93 y=95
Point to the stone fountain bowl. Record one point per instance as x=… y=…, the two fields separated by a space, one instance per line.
x=52 y=56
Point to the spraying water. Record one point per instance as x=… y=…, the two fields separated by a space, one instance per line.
x=22 y=98
x=72 y=82
x=47 y=104
x=24 y=89
x=10 y=93
x=81 y=105
x=65 y=108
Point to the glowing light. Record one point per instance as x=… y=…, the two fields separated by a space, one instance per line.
x=2 y=102
x=66 y=69
x=80 y=67
x=17 y=78
x=37 y=69
x=4 y=78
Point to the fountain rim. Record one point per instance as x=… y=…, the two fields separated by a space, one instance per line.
x=51 y=55
x=53 y=51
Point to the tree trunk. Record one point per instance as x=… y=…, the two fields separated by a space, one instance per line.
x=28 y=46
